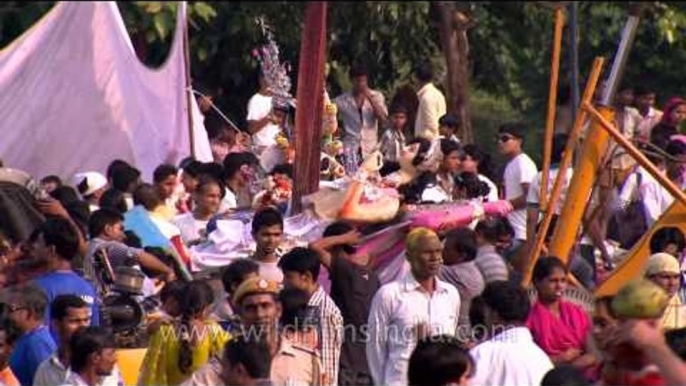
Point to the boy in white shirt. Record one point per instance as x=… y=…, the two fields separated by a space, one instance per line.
x=509 y=356
x=264 y=123
x=519 y=173
x=447 y=127
x=393 y=139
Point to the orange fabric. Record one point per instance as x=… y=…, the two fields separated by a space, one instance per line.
x=7 y=377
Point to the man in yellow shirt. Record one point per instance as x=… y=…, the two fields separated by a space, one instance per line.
x=432 y=104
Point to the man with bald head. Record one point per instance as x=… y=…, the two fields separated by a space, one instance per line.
x=409 y=309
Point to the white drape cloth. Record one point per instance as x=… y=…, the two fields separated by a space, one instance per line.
x=75 y=97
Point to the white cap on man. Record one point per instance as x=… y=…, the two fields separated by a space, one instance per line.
x=89 y=182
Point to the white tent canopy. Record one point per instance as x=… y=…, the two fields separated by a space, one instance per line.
x=75 y=97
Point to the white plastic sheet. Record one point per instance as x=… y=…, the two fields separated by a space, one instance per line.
x=75 y=97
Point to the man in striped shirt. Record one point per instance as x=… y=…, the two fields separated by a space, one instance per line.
x=491 y=264
x=300 y=268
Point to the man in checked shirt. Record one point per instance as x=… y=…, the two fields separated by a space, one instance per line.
x=300 y=268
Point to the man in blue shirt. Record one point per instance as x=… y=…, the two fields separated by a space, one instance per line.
x=57 y=242
x=26 y=309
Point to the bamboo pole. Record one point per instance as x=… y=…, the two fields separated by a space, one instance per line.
x=580 y=188
x=635 y=153
x=187 y=62
x=592 y=152
x=552 y=100
x=574 y=54
x=566 y=162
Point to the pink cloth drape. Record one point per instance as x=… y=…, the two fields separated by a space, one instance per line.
x=75 y=97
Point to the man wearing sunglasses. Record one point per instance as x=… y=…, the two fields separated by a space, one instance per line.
x=519 y=173
x=26 y=310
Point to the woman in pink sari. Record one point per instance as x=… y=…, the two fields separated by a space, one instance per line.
x=562 y=329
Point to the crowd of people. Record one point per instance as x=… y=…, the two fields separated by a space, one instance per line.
x=458 y=315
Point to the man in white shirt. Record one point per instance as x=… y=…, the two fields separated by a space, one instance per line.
x=409 y=309
x=267 y=231
x=627 y=120
x=650 y=116
x=509 y=356
x=519 y=173
x=533 y=198
x=432 y=104
x=263 y=123
x=654 y=197
x=361 y=110
x=237 y=171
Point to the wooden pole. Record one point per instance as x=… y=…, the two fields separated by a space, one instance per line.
x=552 y=100
x=310 y=103
x=564 y=165
x=188 y=88
x=580 y=188
x=635 y=153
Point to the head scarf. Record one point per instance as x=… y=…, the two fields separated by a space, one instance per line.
x=661 y=263
x=670 y=106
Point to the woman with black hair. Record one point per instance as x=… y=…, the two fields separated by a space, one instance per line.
x=561 y=328
x=474 y=160
x=468 y=186
x=413 y=191
x=115 y=200
x=443 y=183
x=178 y=349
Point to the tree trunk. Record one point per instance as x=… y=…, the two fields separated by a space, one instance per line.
x=453 y=28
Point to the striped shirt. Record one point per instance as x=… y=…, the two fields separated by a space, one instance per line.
x=392 y=143
x=330 y=332
x=491 y=264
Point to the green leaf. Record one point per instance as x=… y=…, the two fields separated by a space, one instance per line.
x=205 y=11
x=150 y=36
x=202 y=54
x=161 y=26
x=153 y=6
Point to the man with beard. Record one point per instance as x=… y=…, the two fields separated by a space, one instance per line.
x=414 y=307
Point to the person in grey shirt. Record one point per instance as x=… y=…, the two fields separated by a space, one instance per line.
x=460 y=270
x=490 y=263
x=361 y=110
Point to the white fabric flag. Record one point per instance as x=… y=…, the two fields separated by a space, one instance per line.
x=75 y=97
